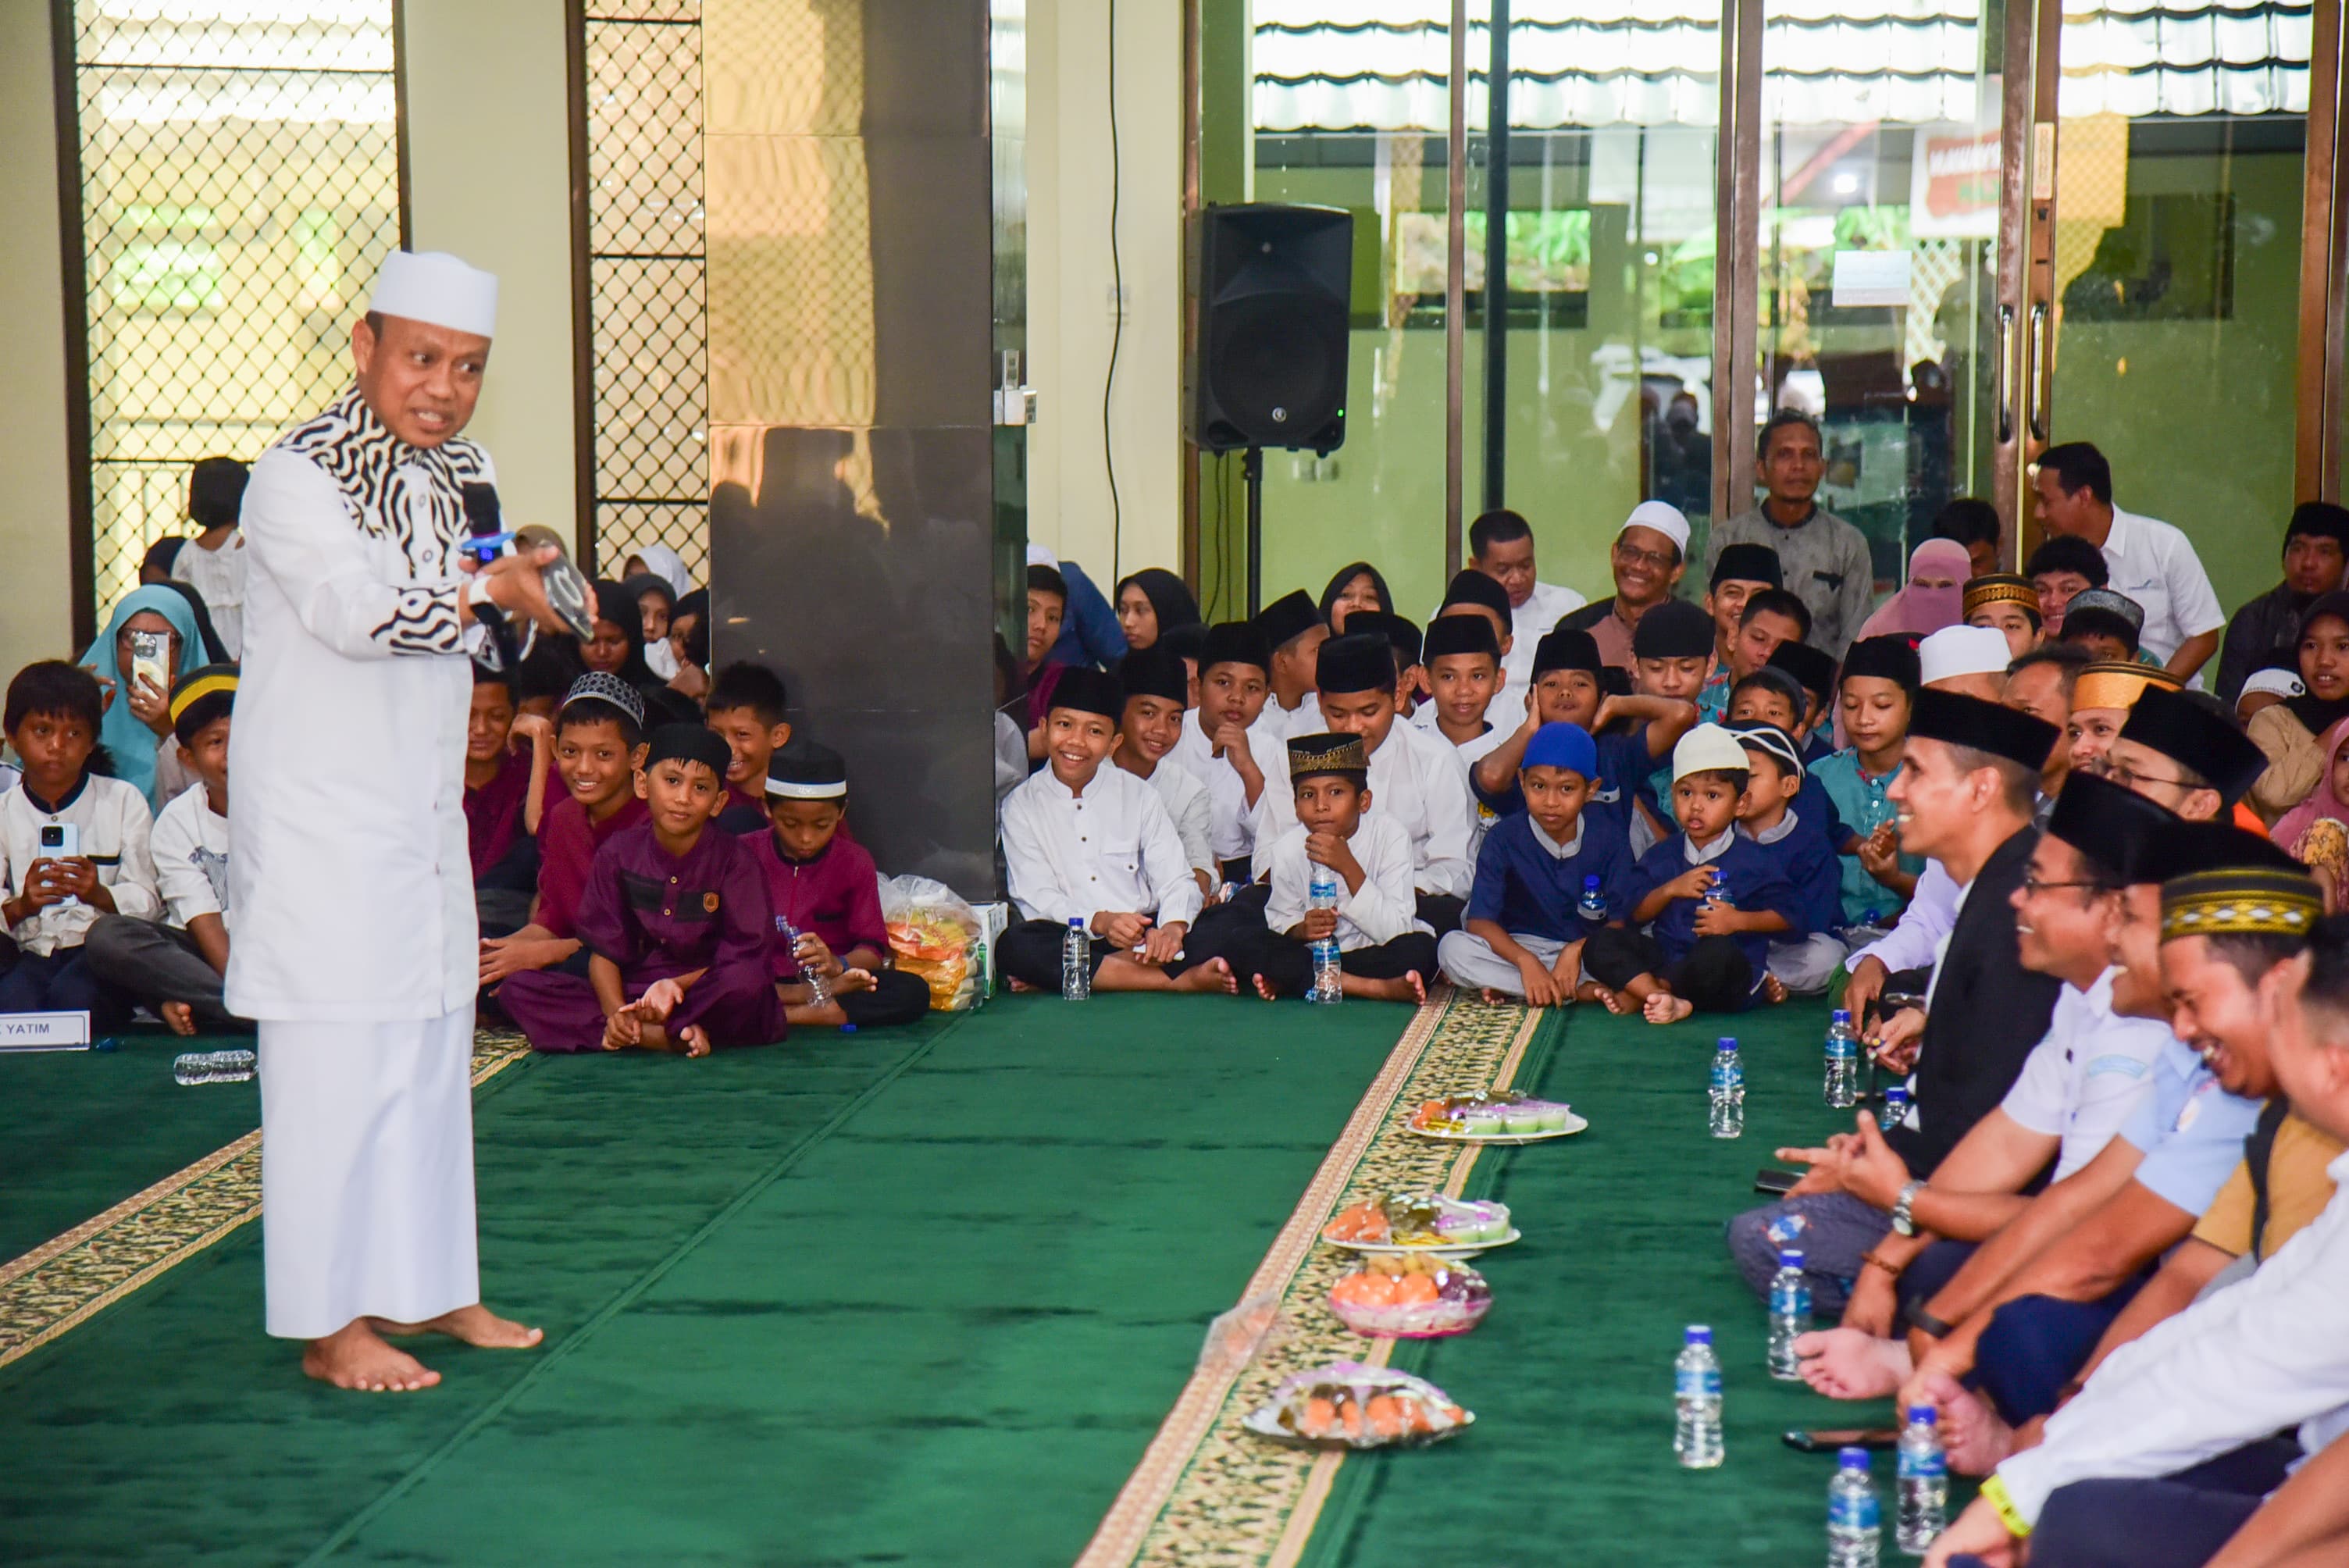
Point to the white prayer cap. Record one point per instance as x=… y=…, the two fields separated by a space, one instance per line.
x=1706 y=747
x=1039 y=556
x=1662 y=516
x=1963 y=651
x=435 y=287
x=2282 y=683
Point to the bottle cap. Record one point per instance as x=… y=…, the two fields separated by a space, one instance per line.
x=1925 y=1413
x=1851 y=1459
x=1842 y=1015
x=1896 y=1095
x=1790 y=1257
x=1728 y=1042
x=1076 y=923
x=1699 y=1334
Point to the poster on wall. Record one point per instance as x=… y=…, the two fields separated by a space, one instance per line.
x=1953 y=183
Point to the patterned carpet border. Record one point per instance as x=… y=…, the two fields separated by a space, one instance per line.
x=1208 y=1494
x=69 y=1279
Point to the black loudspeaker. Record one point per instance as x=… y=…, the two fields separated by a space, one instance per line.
x=1265 y=365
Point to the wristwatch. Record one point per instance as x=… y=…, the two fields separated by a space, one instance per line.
x=1901 y=1221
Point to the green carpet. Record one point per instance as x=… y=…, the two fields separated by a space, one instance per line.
x=915 y=1297
x=1570 y=1373
x=85 y=1130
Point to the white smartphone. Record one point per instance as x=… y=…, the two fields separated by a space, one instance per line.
x=61 y=842
x=149 y=653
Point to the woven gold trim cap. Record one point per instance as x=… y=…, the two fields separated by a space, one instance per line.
x=1326 y=754
x=2118 y=685
x=2002 y=588
x=2244 y=901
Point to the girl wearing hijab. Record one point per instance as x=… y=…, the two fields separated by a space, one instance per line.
x=138 y=717
x=1355 y=587
x=655 y=600
x=2287 y=730
x=1151 y=603
x=1933 y=598
x=617 y=648
x=663 y=562
x=2316 y=832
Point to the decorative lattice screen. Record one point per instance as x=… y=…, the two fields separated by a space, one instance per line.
x=651 y=340
x=239 y=187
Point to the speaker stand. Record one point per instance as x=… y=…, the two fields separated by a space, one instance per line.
x=1252 y=476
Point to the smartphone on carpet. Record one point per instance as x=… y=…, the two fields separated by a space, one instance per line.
x=1827 y=1442
x=1776 y=1182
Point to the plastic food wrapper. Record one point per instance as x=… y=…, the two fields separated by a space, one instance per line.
x=1349 y=1405
x=937 y=936
x=1238 y=1336
x=1396 y=1297
x=1420 y=1220
x=1504 y=1114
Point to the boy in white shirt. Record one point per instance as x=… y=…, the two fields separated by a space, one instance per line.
x=1385 y=955
x=212 y=562
x=51 y=898
x=1224 y=748
x=176 y=966
x=1090 y=845
x=1156 y=692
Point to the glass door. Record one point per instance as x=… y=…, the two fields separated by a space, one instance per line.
x=1880 y=202
x=2165 y=316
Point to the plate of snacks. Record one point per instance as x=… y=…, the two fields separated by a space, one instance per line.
x=1423 y=1298
x=1501 y=1118
x=1346 y=1405
x=1428 y=1222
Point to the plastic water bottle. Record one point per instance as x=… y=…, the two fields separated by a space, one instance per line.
x=1728 y=1091
x=1895 y=1107
x=1790 y=1315
x=1924 y=1494
x=818 y=989
x=1592 y=904
x=1696 y=1402
x=1076 y=963
x=213 y=1067
x=1843 y=1061
x=1716 y=887
x=1321 y=893
x=1855 y=1525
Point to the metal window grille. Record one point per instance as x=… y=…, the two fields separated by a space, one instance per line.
x=240 y=186
x=648 y=328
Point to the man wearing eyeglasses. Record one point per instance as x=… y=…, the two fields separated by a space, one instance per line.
x=1649 y=555
x=1826 y=560
x=2177 y=749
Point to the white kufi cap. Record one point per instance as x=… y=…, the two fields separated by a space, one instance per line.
x=1040 y=555
x=1664 y=517
x=1963 y=651
x=1706 y=747
x=434 y=286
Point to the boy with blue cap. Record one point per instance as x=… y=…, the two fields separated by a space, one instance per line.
x=1525 y=921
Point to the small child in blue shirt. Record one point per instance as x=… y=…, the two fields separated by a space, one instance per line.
x=1879 y=681
x=1628 y=732
x=1772 y=816
x=1715 y=899
x=1523 y=932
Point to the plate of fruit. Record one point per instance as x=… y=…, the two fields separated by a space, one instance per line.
x=1423 y=1298
x=1346 y=1405
x=1498 y=1118
x=1428 y=1222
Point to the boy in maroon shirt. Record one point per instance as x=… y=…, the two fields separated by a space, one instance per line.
x=598 y=737
x=823 y=886
x=675 y=917
x=506 y=764
x=746 y=709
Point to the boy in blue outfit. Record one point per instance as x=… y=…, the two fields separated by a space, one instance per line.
x=1629 y=733
x=1772 y=816
x=1524 y=928
x=1879 y=679
x=1715 y=900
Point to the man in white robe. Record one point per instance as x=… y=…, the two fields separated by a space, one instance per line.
x=357 y=946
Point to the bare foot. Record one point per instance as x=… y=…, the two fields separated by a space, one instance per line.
x=1018 y=984
x=1493 y=999
x=1847 y=1363
x=1215 y=975
x=808 y=1016
x=849 y=980
x=475 y=1324
x=1266 y=990
x=180 y=1017
x=1774 y=990
x=1663 y=1007
x=1409 y=988
x=695 y=1040
x=1613 y=1001
x=1978 y=1437
x=355 y=1356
